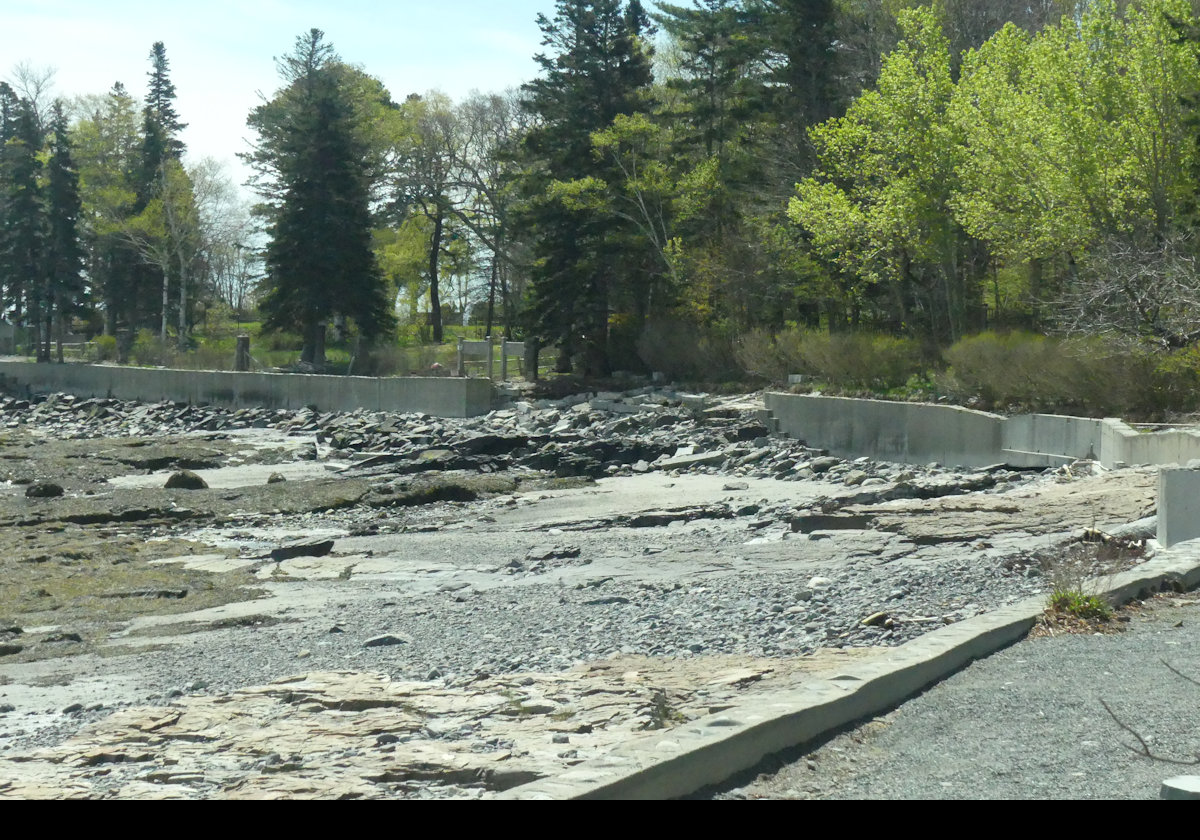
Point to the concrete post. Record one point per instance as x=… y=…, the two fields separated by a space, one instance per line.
x=491 y=358
x=1178 y=505
x=504 y=358
x=460 y=368
x=241 y=356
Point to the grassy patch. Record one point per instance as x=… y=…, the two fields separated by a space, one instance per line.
x=1080 y=605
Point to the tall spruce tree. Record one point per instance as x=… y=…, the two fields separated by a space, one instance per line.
x=10 y=105
x=64 y=251
x=314 y=170
x=160 y=147
x=597 y=67
x=22 y=226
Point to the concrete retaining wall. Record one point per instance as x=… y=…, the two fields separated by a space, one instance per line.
x=916 y=433
x=894 y=431
x=438 y=396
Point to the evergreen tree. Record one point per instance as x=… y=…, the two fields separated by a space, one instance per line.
x=107 y=149
x=160 y=147
x=64 y=251
x=801 y=37
x=9 y=280
x=22 y=226
x=598 y=68
x=314 y=169
x=160 y=102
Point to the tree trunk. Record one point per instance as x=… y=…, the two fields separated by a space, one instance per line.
x=58 y=330
x=182 y=310
x=491 y=310
x=166 y=306
x=435 y=300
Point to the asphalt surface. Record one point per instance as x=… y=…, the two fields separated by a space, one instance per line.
x=1028 y=722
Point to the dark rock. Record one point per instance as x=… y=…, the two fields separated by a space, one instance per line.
x=186 y=480
x=304 y=548
x=10 y=650
x=63 y=637
x=824 y=465
x=558 y=552
x=275 y=478
x=385 y=641
x=148 y=593
x=43 y=490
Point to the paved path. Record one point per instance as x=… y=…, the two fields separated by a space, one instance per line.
x=1027 y=722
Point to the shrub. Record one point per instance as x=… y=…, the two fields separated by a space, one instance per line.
x=104 y=348
x=757 y=355
x=844 y=360
x=1095 y=375
x=687 y=352
x=149 y=349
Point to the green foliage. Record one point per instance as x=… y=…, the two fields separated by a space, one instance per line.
x=315 y=161
x=844 y=360
x=687 y=352
x=1080 y=605
x=104 y=348
x=879 y=210
x=149 y=350
x=588 y=250
x=1094 y=376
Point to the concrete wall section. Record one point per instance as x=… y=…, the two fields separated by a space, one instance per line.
x=1121 y=444
x=895 y=431
x=1178 y=506
x=438 y=396
x=1051 y=434
x=918 y=433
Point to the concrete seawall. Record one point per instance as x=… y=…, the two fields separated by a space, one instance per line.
x=920 y=433
x=438 y=396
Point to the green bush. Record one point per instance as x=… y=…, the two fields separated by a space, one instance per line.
x=757 y=355
x=844 y=360
x=1097 y=376
x=687 y=352
x=104 y=348
x=149 y=350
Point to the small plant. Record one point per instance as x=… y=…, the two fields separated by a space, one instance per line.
x=1080 y=605
x=662 y=714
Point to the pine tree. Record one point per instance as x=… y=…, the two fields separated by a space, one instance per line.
x=314 y=170
x=64 y=251
x=801 y=37
x=160 y=147
x=599 y=68
x=22 y=226
x=160 y=102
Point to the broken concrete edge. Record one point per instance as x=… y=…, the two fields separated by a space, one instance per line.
x=676 y=762
x=1181 y=788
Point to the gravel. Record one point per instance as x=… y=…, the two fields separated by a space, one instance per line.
x=1026 y=723
x=546 y=601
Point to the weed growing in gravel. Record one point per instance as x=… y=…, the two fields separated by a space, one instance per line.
x=1080 y=605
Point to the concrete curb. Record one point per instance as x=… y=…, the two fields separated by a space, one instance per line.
x=680 y=761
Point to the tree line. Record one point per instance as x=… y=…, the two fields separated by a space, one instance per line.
x=725 y=166
x=101 y=220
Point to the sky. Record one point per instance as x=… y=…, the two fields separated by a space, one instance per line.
x=221 y=53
